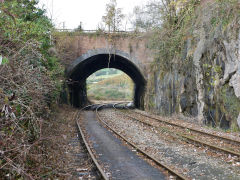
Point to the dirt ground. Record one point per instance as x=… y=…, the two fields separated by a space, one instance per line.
x=66 y=157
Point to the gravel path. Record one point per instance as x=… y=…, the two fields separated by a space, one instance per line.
x=187 y=159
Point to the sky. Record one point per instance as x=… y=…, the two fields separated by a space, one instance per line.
x=71 y=12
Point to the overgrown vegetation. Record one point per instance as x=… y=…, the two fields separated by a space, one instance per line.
x=30 y=74
x=174 y=25
x=30 y=82
x=170 y=24
x=168 y=40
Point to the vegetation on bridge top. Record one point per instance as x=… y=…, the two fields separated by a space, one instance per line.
x=31 y=75
x=95 y=33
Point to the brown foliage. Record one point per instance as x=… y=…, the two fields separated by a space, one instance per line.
x=25 y=90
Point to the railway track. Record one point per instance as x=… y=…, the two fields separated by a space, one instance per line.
x=193 y=129
x=147 y=155
x=90 y=152
x=189 y=134
x=183 y=132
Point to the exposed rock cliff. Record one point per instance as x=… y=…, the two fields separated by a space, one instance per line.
x=207 y=85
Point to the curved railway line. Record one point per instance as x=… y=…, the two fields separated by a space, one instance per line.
x=190 y=134
x=171 y=171
x=183 y=132
x=192 y=129
x=150 y=157
x=90 y=152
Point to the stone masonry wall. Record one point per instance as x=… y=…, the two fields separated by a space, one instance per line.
x=72 y=47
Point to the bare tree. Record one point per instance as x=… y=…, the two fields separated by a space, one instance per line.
x=113 y=18
x=155 y=12
x=147 y=16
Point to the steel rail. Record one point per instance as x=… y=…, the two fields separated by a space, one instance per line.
x=192 y=129
x=189 y=138
x=168 y=168
x=103 y=174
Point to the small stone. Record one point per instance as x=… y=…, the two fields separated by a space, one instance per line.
x=238 y=120
x=64 y=136
x=235 y=83
x=82 y=169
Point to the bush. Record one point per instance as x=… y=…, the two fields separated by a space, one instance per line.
x=29 y=84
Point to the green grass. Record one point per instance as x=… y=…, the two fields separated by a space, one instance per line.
x=111 y=87
x=103 y=74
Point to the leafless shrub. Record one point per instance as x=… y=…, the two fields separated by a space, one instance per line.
x=25 y=95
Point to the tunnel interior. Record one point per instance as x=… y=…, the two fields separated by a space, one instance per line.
x=84 y=66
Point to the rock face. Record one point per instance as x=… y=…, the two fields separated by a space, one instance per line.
x=209 y=87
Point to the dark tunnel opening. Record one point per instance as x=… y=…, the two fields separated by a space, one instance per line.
x=89 y=63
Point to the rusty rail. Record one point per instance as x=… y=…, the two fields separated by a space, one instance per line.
x=103 y=174
x=187 y=137
x=168 y=168
x=192 y=129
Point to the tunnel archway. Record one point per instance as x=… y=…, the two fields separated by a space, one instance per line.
x=95 y=60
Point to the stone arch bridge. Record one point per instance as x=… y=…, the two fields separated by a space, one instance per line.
x=87 y=53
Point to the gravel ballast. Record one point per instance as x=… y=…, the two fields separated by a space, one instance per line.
x=190 y=160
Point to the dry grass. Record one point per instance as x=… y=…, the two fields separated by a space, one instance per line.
x=25 y=96
x=119 y=87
